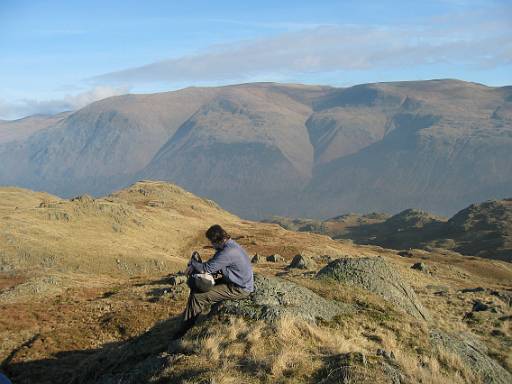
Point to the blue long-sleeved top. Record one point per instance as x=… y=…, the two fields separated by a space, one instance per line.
x=233 y=262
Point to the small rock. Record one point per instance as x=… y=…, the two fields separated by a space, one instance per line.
x=405 y=254
x=276 y=258
x=118 y=261
x=479 y=306
x=302 y=262
x=385 y=354
x=420 y=267
x=255 y=259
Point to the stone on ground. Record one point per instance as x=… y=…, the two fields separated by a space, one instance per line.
x=302 y=262
x=375 y=275
x=276 y=258
x=420 y=267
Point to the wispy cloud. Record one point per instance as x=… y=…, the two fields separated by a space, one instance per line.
x=25 y=107
x=464 y=40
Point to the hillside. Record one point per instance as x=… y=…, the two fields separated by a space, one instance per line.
x=483 y=229
x=21 y=129
x=267 y=149
x=342 y=226
x=88 y=294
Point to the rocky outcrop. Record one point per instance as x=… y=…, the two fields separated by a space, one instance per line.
x=473 y=354
x=375 y=275
x=274 y=297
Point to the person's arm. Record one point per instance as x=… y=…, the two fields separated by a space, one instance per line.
x=215 y=264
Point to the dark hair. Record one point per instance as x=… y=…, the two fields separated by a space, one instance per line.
x=217 y=234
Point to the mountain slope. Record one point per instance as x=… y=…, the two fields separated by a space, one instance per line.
x=21 y=129
x=442 y=151
x=98 y=148
x=244 y=139
x=268 y=149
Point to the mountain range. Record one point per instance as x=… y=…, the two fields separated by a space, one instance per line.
x=265 y=149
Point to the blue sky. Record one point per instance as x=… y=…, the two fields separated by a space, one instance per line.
x=61 y=55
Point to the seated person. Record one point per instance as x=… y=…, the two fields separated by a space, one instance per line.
x=237 y=280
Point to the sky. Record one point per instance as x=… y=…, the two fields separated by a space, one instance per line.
x=63 y=55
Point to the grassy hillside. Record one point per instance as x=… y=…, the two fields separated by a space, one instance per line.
x=86 y=297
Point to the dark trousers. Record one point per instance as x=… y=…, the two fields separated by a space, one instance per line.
x=199 y=301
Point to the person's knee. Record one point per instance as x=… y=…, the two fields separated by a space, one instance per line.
x=199 y=298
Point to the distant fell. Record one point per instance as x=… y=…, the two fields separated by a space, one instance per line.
x=265 y=149
x=483 y=229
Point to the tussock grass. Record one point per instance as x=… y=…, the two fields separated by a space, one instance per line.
x=99 y=243
x=296 y=351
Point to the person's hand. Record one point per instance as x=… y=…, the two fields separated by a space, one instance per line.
x=196 y=257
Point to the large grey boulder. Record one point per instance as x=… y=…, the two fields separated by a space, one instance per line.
x=274 y=297
x=474 y=354
x=375 y=275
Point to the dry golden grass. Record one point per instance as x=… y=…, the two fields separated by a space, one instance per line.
x=294 y=350
x=150 y=229
x=267 y=353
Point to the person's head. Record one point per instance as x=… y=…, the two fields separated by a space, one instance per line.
x=217 y=236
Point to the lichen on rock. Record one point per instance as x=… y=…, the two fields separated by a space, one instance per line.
x=474 y=354
x=375 y=275
x=274 y=297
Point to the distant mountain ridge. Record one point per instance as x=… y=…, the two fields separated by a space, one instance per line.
x=266 y=149
x=481 y=229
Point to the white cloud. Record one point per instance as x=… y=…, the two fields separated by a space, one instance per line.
x=70 y=102
x=466 y=39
